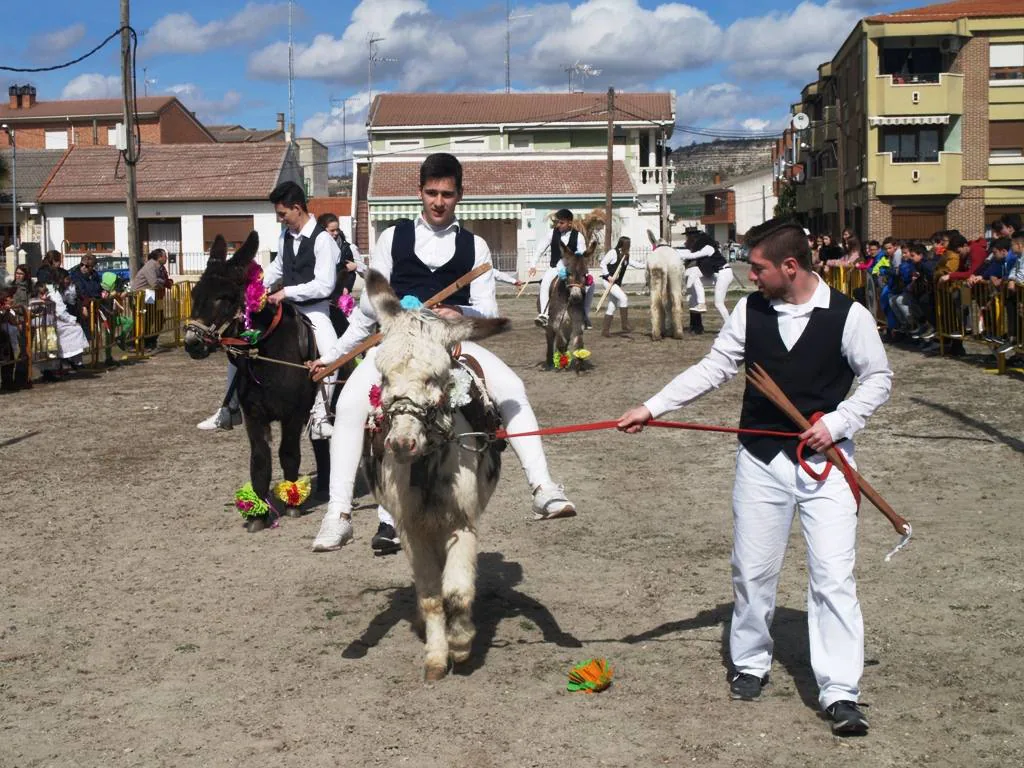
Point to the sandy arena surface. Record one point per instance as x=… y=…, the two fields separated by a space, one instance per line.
x=140 y=625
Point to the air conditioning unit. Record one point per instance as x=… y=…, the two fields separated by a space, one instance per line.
x=949 y=44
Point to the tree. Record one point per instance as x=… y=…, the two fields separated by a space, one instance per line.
x=786 y=205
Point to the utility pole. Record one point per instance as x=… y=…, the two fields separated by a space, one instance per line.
x=666 y=229
x=131 y=150
x=840 y=164
x=608 y=172
x=14 y=190
x=291 y=78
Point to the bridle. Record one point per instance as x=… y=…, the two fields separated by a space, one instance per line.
x=213 y=335
x=429 y=417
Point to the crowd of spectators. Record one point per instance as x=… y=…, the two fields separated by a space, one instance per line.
x=901 y=277
x=51 y=312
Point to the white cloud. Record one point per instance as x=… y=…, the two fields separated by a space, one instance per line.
x=93 y=86
x=207 y=110
x=788 y=46
x=627 y=42
x=342 y=131
x=755 y=124
x=181 y=33
x=48 y=45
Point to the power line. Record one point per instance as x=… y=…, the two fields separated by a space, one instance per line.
x=71 y=63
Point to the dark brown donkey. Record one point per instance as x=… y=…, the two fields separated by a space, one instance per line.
x=565 y=308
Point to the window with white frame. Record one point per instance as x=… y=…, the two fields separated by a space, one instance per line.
x=520 y=142
x=469 y=144
x=57 y=139
x=1006 y=62
x=400 y=145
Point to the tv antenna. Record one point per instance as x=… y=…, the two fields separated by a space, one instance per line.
x=509 y=18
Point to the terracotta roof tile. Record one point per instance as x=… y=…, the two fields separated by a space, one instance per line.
x=169 y=172
x=34 y=168
x=958 y=9
x=147 y=105
x=508 y=178
x=400 y=109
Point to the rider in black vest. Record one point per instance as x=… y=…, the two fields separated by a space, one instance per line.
x=298 y=267
x=411 y=277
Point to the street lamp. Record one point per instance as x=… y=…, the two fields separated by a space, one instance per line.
x=14 y=187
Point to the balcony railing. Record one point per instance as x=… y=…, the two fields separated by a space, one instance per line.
x=943 y=176
x=649 y=178
x=940 y=94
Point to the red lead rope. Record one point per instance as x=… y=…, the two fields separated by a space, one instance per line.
x=593 y=426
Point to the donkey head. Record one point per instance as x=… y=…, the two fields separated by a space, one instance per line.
x=218 y=299
x=577 y=268
x=415 y=363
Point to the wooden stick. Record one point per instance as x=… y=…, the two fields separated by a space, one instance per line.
x=764 y=384
x=618 y=271
x=522 y=288
x=434 y=300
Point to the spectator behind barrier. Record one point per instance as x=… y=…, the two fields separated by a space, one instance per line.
x=22 y=286
x=47 y=272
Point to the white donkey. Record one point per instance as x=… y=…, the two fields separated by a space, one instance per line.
x=434 y=486
x=665 y=275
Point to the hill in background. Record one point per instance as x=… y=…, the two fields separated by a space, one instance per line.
x=697 y=164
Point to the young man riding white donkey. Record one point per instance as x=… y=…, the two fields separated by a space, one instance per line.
x=420 y=258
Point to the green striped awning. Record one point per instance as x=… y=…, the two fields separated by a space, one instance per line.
x=468 y=211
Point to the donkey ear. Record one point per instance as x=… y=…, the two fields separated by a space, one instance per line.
x=382 y=297
x=218 y=254
x=473 y=328
x=591 y=248
x=652 y=238
x=247 y=252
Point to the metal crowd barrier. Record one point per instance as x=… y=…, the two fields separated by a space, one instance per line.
x=41 y=343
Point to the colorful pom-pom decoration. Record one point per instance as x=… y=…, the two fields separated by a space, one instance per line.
x=581 y=354
x=375 y=396
x=255 y=293
x=411 y=303
x=248 y=504
x=346 y=304
x=590 y=280
x=590 y=676
x=293 y=493
x=563 y=273
x=252 y=336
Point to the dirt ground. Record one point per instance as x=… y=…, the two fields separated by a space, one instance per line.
x=140 y=625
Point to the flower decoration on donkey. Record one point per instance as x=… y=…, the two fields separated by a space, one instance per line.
x=562 y=359
x=255 y=300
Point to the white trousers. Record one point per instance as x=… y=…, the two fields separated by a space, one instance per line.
x=504 y=387
x=545 y=288
x=319 y=315
x=764 y=497
x=694 y=288
x=616 y=300
x=723 y=280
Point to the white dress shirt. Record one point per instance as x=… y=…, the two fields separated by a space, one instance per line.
x=687 y=255
x=545 y=246
x=327 y=254
x=861 y=346
x=610 y=258
x=435 y=248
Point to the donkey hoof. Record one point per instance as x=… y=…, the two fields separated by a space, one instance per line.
x=460 y=656
x=294 y=512
x=435 y=672
x=256 y=524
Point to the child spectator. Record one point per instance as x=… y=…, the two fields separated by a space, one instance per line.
x=22 y=286
x=1014 y=288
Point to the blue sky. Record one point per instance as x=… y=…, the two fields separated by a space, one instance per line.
x=735 y=65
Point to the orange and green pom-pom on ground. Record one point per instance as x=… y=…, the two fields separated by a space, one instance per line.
x=590 y=676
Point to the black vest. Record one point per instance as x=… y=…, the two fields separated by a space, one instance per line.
x=614 y=267
x=300 y=267
x=411 y=277
x=813 y=374
x=556 y=244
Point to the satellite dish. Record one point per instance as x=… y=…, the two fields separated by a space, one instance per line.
x=800 y=121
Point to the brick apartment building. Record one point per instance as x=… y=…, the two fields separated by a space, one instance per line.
x=78 y=122
x=926 y=106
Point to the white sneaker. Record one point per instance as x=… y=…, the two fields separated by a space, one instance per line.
x=319 y=426
x=700 y=308
x=541 y=321
x=335 y=532
x=550 y=502
x=224 y=418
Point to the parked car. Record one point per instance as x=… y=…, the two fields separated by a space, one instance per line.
x=116 y=264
